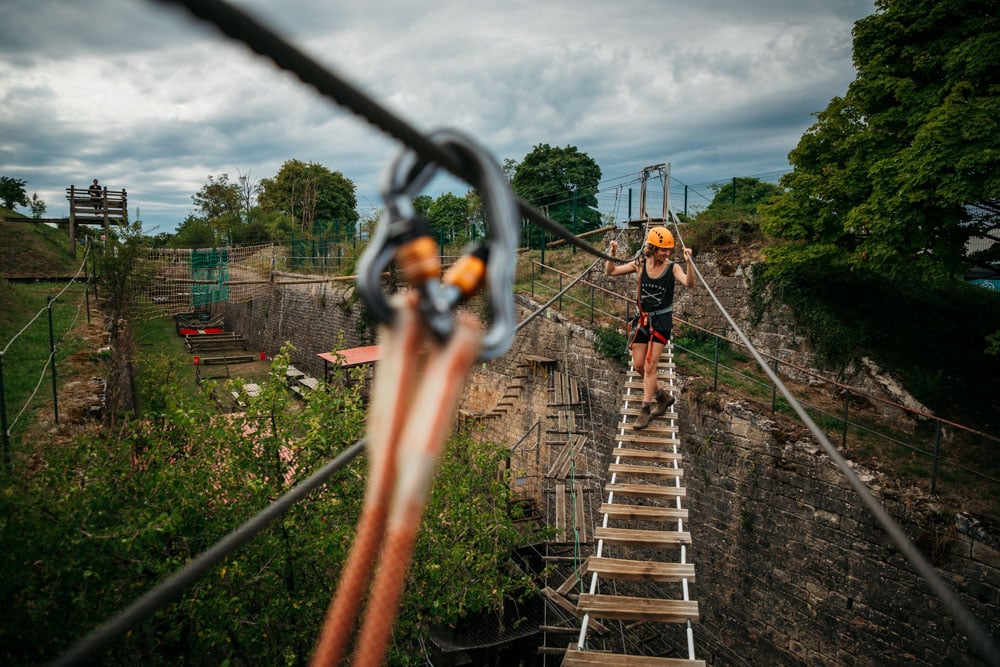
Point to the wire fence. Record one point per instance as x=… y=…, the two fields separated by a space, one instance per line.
x=923 y=446
x=23 y=369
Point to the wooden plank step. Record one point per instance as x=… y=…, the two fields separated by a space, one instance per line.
x=660 y=472
x=631 y=537
x=637 y=384
x=655 y=610
x=574 y=658
x=643 y=512
x=646 y=490
x=646 y=438
x=638 y=570
x=638 y=406
x=645 y=454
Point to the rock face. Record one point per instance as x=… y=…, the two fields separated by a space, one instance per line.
x=791 y=567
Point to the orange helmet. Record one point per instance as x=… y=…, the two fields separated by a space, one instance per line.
x=660 y=237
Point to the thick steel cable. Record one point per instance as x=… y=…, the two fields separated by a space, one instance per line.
x=978 y=637
x=88 y=648
x=240 y=26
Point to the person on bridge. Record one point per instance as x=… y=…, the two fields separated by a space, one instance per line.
x=95 y=195
x=657 y=275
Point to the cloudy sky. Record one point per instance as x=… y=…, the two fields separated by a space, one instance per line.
x=143 y=97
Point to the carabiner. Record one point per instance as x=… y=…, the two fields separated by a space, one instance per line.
x=404 y=236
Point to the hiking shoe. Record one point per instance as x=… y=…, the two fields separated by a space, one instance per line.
x=642 y=421
x=662 y=402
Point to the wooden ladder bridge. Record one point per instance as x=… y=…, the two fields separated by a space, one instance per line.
x=638 y=573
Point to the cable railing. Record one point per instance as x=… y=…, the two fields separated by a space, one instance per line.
x=587 y=297
x=7 y=424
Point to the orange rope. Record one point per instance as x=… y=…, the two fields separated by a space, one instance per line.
x=400 y=477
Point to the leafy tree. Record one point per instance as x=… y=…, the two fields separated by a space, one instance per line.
x=741 y=197
x=12 y=192
x=220 y=203
x=732 y=215
x=314 y=197
x=194 y=232
x=561 y=181
x=448 y=214
x=899 y=173
x=38 y=206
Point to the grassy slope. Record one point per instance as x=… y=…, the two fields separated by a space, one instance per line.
x=29 y=250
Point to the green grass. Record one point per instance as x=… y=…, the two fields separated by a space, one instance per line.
x=26 y=340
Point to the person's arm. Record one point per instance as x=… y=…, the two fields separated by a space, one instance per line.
x=615 y=269
x=686 y=275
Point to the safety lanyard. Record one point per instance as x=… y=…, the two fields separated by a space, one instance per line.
x=428 y=351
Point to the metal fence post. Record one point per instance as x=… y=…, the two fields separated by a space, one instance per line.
x=937 y=450
x=52 y=351
x=532 y=279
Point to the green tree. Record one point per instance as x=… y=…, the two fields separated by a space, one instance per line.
x=12 y=192
x=38 y=206
x=220 y=204
x=316 y=199
x=741 y=197
x=561 y=181
x=899 y=173
x=449 y=216
x=194 y=232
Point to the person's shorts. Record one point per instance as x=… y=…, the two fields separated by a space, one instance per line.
x=662 y=325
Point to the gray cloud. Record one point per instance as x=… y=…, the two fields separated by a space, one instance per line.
x=143 y=97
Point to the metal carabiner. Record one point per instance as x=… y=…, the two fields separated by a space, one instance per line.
x=404 y=236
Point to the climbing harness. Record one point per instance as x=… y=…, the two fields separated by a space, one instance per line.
x=427 y=353
x=644 y=319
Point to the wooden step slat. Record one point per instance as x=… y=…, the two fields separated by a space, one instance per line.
x=646 y=438
x=638 y=570
x=645 y=454
x=643 y=512
x=647 y=490
x=645 y=471
x=654 y=610
x=630 y=537
x=574 y=658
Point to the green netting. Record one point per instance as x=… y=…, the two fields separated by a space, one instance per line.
x=210 y=272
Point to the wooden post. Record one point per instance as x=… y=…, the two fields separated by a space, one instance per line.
x=72 y=220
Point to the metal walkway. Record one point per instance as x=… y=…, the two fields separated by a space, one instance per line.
x=639 y=573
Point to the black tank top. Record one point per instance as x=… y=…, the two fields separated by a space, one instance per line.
x=656 y=293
